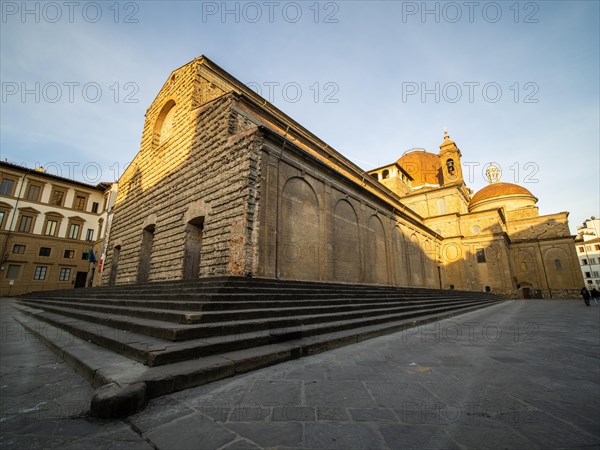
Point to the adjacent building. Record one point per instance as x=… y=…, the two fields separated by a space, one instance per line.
x=51 y=229
x=494 y=239
x=588 y=251
x=227 y=184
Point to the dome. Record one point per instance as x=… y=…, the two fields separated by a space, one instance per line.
x=511 y=196
x=423 y=166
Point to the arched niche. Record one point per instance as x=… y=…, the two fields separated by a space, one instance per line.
x=299 y=224
x=346 y=237
x=376 y=270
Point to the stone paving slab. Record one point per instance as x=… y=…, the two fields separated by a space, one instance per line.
x=44 y=403
x=522 y=374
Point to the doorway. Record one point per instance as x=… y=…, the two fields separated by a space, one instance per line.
x=80 y=279
x=145 y=254
x=192 y=248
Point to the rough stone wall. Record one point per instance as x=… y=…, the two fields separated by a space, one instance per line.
x=561 y=294
x=206 y=170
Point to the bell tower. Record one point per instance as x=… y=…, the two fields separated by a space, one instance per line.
x=450 y=160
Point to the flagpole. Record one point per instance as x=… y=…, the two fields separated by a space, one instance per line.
x=91 y=266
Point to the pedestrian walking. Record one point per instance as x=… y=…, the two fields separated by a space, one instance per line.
x=586 y=295
x=595 y=295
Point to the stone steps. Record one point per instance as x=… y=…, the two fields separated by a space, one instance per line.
x=232 y=285
x=181 y=331
x=227 y=311
x=120 y=338
x=153 y=350
x=237 y=304
x=272 y=294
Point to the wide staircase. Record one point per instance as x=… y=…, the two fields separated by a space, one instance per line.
x=145 y=340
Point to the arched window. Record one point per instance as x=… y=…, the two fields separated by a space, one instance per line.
x=557 y=264
x=163 y=129
x=385 y=174
x=167 y=127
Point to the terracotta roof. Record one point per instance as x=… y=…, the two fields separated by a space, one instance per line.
x=496 y=190
x=422 y=166
x=42 y=174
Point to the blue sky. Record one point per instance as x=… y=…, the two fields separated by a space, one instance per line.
x=516 y=83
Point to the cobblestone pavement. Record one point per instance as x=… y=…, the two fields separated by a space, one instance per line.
x=522 y=375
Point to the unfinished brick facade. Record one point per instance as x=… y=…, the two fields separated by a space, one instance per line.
x=226 y=184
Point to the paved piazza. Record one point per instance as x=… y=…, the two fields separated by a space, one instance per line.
x=522 y=375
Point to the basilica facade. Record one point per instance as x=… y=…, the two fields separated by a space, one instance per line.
x=225 y=184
